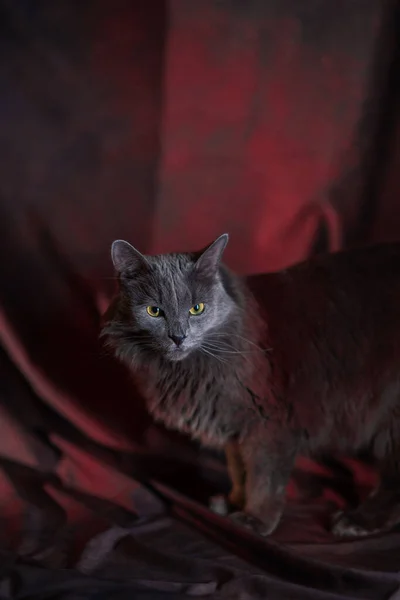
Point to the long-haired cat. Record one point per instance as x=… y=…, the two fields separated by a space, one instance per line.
x=305 y=360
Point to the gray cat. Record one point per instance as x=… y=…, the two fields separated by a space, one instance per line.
x=305 y=360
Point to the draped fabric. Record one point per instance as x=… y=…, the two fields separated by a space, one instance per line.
x=167 y=124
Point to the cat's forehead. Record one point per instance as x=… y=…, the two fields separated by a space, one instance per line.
x=169 y=277
x=175 y=265
x=170 y=281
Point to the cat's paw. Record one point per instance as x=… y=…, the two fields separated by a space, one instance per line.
x=237 y=499
x=219 y=505
x=345 y=527
x=224 y=505
x=252 y=523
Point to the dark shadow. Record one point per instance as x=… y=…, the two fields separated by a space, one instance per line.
x=374 y=139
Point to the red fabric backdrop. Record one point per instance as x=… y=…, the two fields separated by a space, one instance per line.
x=168 y=124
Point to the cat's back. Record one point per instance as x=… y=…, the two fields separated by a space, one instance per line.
x=334 y=330
x=371 y=273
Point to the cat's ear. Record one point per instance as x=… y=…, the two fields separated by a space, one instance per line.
x=208 y=262
x=126 y=259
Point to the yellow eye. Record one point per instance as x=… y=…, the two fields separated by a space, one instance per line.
x=153 y=311
x=197 y=309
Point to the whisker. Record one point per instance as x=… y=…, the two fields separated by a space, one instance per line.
x=122 y=330
x=226 y=346
x=219 y=335
x=229 y=349
x=240 y=337
x=213 y=355
x=220 y=351
x=225 y=350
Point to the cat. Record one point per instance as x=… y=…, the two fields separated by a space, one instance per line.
x=301 y=361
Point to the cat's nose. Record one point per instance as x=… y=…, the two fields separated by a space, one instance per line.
x=177 y=339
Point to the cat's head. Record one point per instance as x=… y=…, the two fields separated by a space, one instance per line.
x=172 y=302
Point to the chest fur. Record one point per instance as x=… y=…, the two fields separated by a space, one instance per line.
x=207 y=406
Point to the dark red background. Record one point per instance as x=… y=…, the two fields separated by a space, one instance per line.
x=167 y=124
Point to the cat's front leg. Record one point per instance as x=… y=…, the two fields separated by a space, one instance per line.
x=236 y=499
x=237 y=473
x=269 y=456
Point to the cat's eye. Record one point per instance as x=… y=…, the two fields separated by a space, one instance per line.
x=197 y=309
x=153 y=311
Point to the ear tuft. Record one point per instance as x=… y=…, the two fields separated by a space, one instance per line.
x=210 y=258
x=126 y=259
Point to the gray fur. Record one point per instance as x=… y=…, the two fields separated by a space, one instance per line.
x=198 y=388
x=323 y=376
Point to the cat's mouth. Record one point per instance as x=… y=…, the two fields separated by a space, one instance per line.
x=177 y=353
